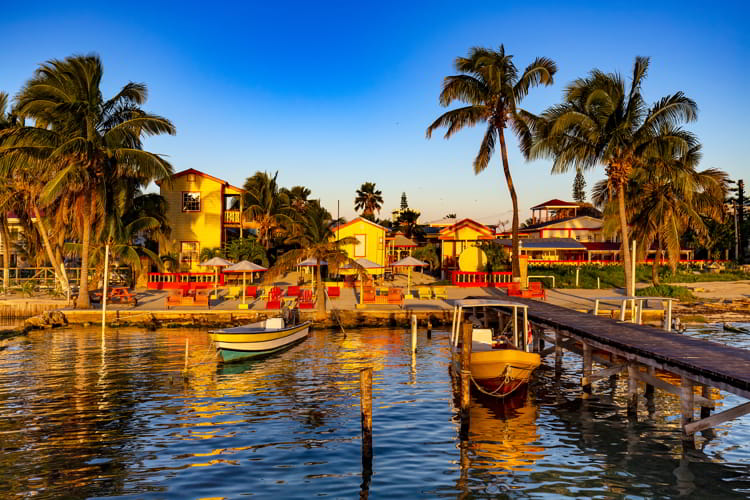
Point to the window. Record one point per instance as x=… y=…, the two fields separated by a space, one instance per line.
x=191 y=201
x=189 y=251
x=360 y=250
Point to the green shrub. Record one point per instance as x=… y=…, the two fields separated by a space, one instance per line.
x=678 y=292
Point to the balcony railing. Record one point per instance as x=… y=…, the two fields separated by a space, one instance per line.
x=232 y=216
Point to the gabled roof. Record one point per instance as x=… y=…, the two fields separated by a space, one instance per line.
x=401 y=241
x=555 y=203
x=546 y=243
x=540 y=225
x=446 y=232
x=342 y=226
x=445 y=221
x=204 y=175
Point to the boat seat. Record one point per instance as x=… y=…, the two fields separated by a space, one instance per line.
x=481 y=339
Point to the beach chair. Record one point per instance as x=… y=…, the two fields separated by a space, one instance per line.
x=235 y=292
x=174 y=298
x=293 y=291
x=514 y=289
x=334 y=292
x=276 y=292
x=273 y=302
x=440 y=292
x=251 y=292
x=306 y=300
x=395 y=296
x=368 y=295
x=536 y=289
x=202 y=298
x=424 y=293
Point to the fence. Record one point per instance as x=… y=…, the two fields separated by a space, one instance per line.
x=692 y=262
x=466 y=279
x=168 y=281
x=43 y=278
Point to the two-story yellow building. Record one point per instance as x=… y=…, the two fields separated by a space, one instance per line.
x=371 y=240
x=456 y=239
x=204 y=211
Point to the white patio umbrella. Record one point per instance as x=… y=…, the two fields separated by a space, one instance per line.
x=409 y=262
x=216 y=263
x=367 y=264
x=244 y=267
x=312 y=262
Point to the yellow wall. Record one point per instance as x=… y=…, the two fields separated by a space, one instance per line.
x=204 y=226
x=466 y=236
x=374 y=241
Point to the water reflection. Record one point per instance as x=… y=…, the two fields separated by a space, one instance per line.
x=81 y=417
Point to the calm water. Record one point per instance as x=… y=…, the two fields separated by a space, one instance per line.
x=80 y=418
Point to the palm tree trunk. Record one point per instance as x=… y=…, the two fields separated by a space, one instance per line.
x=6 y=253
x=320 y=290
x=61 y=277
x=625 y=242
x=83 y=282
x=515 y=262
x=656 y=264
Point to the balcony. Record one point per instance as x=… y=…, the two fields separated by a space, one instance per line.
x=232 y=216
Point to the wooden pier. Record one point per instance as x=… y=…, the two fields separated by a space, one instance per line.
x=638 y=351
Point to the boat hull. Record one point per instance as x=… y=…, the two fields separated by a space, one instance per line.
x=241 y=346
x=500 y=372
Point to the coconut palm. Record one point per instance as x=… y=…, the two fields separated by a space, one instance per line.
x=84 y=140
x=491 y=86
x=246 y=249
x=298 y=197
x=268 y=206
x=368 y=199
x=317 y=240
x=600 y=122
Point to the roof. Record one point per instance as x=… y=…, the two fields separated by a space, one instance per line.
x=445 y=221
x=545 y=243
x=540 y=225
x=202 y=174
x=466 y=303
x=555 y=203
x=341 y=226
x=489 y=233
x=402 y=241
x=607 y=246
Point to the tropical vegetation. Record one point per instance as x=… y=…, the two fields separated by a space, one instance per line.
x=368 y=199
x=491 y=86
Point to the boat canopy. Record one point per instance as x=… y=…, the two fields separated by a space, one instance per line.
x=466 y=303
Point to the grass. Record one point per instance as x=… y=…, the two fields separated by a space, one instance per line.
x=678 y=292
x=614 y=277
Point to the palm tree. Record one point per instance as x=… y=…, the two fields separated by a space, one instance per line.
x=601 y=123
x=84 y=140
x=317 y=240
x=298 y=197
x=368 y=199
x=408 y=222
x=6 y=195
x=268 y=206
x=246 y=249
x=489 y=83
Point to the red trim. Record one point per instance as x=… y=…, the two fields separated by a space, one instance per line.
x=555 y=203
x=204 y=175
x=468 y=279
x=200 y=202
x=342 y=226
x=488 y=233
x=221 y=221
x=171 y=281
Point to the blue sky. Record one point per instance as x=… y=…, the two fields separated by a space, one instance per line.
x=333 y=94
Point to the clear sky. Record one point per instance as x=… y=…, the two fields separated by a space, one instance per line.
x=333 y=94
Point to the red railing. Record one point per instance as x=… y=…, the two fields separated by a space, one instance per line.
x=466 y=279
x=543 y=262
x=168 y=281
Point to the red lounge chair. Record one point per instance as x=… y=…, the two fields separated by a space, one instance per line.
x=368 y=296
x=395 y=296
x=276 y=293
x=306 y=300
x=202 y=298
x=334 y=292
x=293 y=291
x=514 y=289
x=273 y=303
x=251 y=292
x=536 y=289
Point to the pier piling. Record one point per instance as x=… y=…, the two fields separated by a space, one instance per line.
x=687 y=401
x=632 y=390
x=587 y=365
x=413 y=333
x=465 y=377
x=365 y=390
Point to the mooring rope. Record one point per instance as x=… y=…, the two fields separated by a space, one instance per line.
x=507 y=379
x=335 y=312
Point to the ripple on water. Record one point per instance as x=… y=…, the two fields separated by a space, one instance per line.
x=89 y=419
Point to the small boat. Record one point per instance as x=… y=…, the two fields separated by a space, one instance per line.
x=258 y=339
x=501 y=361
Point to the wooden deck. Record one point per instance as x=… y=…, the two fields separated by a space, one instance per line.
x=703 y=361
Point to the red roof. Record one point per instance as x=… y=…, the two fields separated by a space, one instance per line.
x=357 y=219
x=488 y=233
x=555 y=203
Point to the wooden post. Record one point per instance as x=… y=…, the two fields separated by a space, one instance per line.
x=558 y=352
x=649 y=393
x=187 y=343
x=465 y=378
x=586 y=378
x=429 y=328
x=365 y=390
x=104 y=292
x=632 y=390
x=686 y=407
x=577 y=269
x=413 y=333
x=706 y=393
x=598 y=284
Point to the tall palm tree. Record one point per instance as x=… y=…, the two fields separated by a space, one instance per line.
x=368 y=199
x=298 y=197
x=84 y=139
x=268 y=206
x=491 y=86
x=316 y=240
x=600 y=122
x=6 y=195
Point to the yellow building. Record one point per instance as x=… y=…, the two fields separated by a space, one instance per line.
x=371 y=238
x=204 y=211
x=456 y=239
